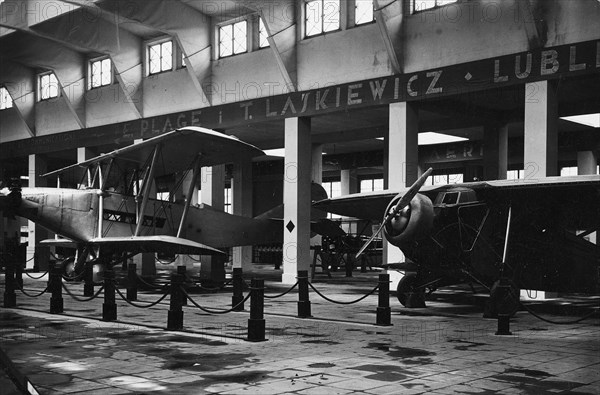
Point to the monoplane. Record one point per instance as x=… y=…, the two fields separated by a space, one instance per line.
x=534 y=233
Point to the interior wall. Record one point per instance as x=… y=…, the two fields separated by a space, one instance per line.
x=170 y=92
x=350 y=55
x=54 y=116
x=12 y=126
x=245 y=77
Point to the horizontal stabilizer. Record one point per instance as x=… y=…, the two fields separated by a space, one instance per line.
x=164 y=244
x=66 y=243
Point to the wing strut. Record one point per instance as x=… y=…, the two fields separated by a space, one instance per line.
x=190 y=191
x=506 y=241
x=147 y=188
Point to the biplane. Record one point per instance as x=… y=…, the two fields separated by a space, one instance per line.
x=115 y=210
x=533 y=233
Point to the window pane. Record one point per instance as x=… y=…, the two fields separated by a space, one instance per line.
x=314 y=13
x=154 y=59
x=421 y=5
x=5 y=99
x=364 y=11
x=378 y=184
x=240 y=41
x=106 y=72
x=226 y=40
x=262 y=35
x=53 y=85
x=336 y=189
x=444 y=2
x=331 y=15
x=166 y=56
x=455 y=178
x=440 y=180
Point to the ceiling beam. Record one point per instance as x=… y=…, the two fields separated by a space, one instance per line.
x=190 y=28
x=279 y=19
x=19 y=81
x=389 y=17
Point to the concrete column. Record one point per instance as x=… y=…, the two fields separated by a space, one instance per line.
x=541 y=141
x=495 y=152
x=187 y=260
x=349 y=181
x=241 y=188
x=296 y=198
x=587 y=162
x=317 y=164
x=541 y=130
x=403 y=158
x=37 y=167
x=212 y=180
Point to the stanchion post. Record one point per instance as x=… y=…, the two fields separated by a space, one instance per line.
x=384 y=313
x=109 y=307
x=182 y=270
x=238 y=290
x=175 y=315
x=132 y=282
x=256 y=323
x=303 y=298
x=88 y=279
x=18 y=270
x=349 y=265
x=55 y=287
x=10 y=297
x=503 y=306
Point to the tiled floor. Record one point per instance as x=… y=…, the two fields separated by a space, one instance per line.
x=444 y=349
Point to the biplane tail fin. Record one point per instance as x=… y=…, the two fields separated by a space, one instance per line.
x=163 y=244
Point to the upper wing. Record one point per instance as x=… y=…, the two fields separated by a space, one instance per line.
x=580 y=193
x=179 y=148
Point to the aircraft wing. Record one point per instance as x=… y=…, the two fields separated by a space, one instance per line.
x=166 y=244
x=580 y=193
x=67 y=243
x=179 y=148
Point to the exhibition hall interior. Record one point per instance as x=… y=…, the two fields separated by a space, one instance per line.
x=299 y=196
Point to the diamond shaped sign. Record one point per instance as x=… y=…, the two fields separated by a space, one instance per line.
x=290 y=226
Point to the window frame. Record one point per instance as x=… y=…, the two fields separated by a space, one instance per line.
x=40 y=88
x=175 y=62
x=5 y=104
x=258 y=31
x=353 y=16
x=413 y=10
x=90 y=76
x=232 y=23
x=341 y=5
x=371 y=179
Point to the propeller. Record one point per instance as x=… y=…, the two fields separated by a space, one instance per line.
x=403 y=202
x=10 y=201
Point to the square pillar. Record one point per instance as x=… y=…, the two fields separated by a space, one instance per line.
x=83 y=154
x=349 y=182
x=241 y=188
x=296 y=198
x=403 y=158
x=37 y=167
x=212 y=182
x=495 y=152
x=587 y=162
x=541 y=130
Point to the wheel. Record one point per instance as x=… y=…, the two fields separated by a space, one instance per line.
x=68 y=269
x=408 y=292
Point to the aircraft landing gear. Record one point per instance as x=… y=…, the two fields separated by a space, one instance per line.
x=409 y=294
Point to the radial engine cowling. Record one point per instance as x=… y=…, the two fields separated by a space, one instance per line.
x=411 y=223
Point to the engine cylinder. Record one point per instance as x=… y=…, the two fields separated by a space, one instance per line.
x=413 y=222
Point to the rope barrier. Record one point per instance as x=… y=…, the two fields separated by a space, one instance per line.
x=32 y=296
x=338 y=302
x=585 y=317
x=151 y=304
x=209 y=311
x=210 y=288
x=77 y=277
x=282 y=294
x=77 y=298
x=140 y=279
x=35 y=278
